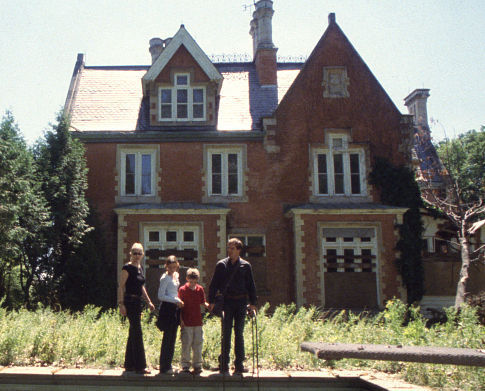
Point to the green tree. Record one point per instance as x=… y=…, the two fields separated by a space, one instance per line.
x=464 y=158
x=23 y=214
x=399 y=188
x=62 y=168
x=461 y=168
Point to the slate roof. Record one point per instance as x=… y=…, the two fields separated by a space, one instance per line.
x=110 y=98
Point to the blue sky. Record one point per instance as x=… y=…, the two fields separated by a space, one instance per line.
x=435 y=44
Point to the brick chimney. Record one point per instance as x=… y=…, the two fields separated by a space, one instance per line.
x=264 y=51
x=156 y=47
x=416 y=104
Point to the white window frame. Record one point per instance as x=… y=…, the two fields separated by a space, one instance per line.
x=338 y=144
x=190 y=101
x=243 y=237
x=225 y=172
x=138 y=172
x=356 y=245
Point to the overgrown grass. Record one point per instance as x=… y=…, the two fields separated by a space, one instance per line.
x=94 y=338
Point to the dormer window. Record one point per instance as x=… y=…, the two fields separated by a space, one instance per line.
x=182 y=102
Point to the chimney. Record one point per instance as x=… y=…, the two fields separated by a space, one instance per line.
x=264 y=51
x=416 y=104
x=156 y=47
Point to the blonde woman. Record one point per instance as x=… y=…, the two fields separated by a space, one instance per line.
x=168 y=318
x=130 y=293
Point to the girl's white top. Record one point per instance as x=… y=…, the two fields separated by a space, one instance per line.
x=168 y=290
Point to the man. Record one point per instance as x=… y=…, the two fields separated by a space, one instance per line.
x=235 y=273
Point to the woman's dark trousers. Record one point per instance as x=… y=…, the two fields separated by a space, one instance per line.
x=168 y=346
x=135 y=351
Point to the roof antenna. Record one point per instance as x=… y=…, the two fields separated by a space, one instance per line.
x=249 y=7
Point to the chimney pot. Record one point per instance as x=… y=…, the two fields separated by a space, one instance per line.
x=331 y=18
x=156 y=48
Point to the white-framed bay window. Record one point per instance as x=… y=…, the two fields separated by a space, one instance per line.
x=183 y=101
x=137 y=172
x=339 y=170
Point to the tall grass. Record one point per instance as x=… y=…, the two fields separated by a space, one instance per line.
x=95 y=338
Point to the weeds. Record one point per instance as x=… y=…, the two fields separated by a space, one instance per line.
x=95 y=338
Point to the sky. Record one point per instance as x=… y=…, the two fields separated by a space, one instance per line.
x=407 y=44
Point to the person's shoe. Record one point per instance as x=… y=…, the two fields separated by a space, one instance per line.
x=168 y=372
x=224 y=371
x=197 y=371
x=240 y=370
x=185 y=371
x=143 y=372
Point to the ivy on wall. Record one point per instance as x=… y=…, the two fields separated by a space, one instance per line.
x=398 y=187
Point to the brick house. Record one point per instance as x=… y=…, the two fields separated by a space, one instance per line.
x=186 y=153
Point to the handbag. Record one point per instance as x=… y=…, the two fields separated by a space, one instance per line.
x=168 y=316
x=219 y=299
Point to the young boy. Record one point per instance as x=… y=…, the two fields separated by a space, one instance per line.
x=193 y=296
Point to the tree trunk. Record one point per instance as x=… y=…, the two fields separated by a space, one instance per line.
x=462 y=286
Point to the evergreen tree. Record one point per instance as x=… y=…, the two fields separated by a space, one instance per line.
x=62 y=168
x=23 y=214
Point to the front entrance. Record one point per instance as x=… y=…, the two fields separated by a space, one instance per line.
x=349 y=265
x=163 y=240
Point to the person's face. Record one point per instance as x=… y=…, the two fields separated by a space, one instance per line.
x=136 y=254
x=232 y=251
x=172 y=268
x=192 y=282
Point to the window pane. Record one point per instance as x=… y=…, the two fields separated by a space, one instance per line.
x=198 y=111
x=181 y=111
x=171 y=236
x=182 y=80
x=366 y=260
x=198 y=96
x=338 y=168
x=188 y=236
x=182 y=96
x=216 y=174
x=130 y=173
x=166 y=111
x=255 y=241
x=322 y=174
x=154 y=236
x=166 y=96
x=349 y=258
x=331 y=258
x=146 y=174
x=232 y=173
x=355 y=173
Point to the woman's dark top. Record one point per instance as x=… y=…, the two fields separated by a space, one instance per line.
x=135 y=280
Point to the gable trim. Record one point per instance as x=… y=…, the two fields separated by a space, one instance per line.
x=181 y=38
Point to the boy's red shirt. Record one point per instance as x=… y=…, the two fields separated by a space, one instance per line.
x=191 y=314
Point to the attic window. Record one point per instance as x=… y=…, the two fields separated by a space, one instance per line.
x=182 y=102
x=335 y=82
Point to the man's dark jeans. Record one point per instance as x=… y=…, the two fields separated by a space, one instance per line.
x=234 y=316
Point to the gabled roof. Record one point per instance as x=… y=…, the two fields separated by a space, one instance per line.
x=181 y=38
x=110 y=98
x=335 y=37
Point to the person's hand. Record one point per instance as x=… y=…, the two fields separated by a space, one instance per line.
x=151 y=306
x=211 y=307
x=122 y=309
x=252 y=309
x=180 y=304
x=182 y=324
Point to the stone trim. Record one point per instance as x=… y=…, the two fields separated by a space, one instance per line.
x=299 y=258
